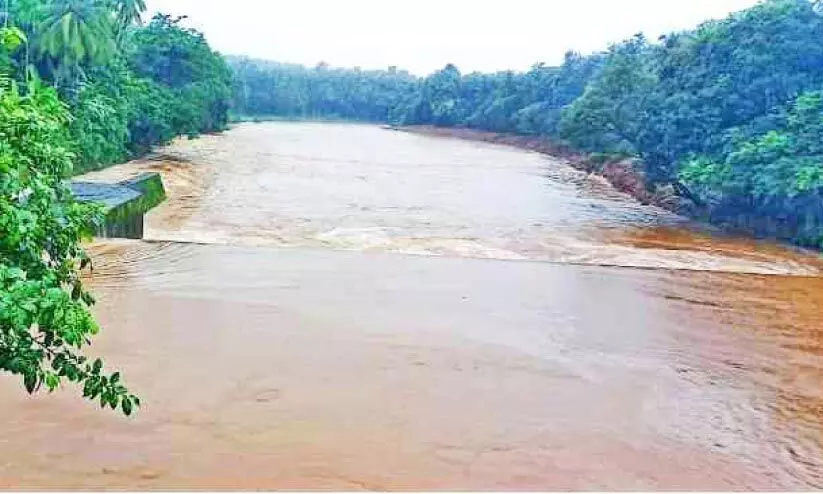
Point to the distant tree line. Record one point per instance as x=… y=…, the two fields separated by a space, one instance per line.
x=264 y=88
x=730 y=113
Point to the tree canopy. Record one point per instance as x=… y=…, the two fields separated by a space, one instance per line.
x=83 y=84
x=272 y=89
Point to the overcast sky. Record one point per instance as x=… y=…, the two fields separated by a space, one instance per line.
x=424 y=35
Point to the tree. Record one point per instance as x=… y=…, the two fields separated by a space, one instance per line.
x=70 y=35
x=272 y=89
x=104 y=112
x=129 y=12
x=181 y=61
x=608 y=115
x=775 y=180
x=45 y=319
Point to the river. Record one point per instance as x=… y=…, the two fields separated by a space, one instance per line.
x=343 y=306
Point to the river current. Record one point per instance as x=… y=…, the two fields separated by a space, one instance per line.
x=344 y=306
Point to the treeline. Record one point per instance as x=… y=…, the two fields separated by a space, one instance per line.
x=83 y=84
x=729 y=114
x=263 y=88
x=128 y=86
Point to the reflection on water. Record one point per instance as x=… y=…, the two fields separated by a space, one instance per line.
x=346 y=364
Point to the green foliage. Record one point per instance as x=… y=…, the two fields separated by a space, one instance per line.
x=117 y=89
x=439 y=101
x=128 y=12
x=507 y=101
x=11 y=39
x=130 y=87
x=102 y=112
x=196 y=81
x=778 y=174
x=67 y=36
x=75 y=32
x=45 y=319
x=608 y=116
x=270 y=89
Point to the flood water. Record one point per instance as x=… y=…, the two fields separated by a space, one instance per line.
x=342 y=306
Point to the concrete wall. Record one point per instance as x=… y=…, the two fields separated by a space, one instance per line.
x=126 y=203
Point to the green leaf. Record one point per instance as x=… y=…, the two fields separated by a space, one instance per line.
x=30 y=382
x=126 y=406
x=76 y=291
x=52 y=381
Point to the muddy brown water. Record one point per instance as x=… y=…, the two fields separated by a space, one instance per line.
x=341 y=306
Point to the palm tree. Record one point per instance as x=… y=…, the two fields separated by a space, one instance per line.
x=73 y=34
x=76 y=32
x=129 y=11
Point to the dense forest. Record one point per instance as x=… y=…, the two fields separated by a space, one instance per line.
x=83 y=84
x=730 y=114
x=263 y=88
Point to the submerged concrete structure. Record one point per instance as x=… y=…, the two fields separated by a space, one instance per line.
x=126 y=203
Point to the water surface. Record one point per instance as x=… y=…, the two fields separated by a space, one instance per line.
x=341 y=306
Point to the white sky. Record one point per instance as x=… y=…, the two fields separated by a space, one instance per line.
x=424 y=35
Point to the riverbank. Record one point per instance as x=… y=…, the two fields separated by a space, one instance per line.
x=621 y=172
x=625 y=175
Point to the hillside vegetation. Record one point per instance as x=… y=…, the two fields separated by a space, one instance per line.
x=729 y=114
